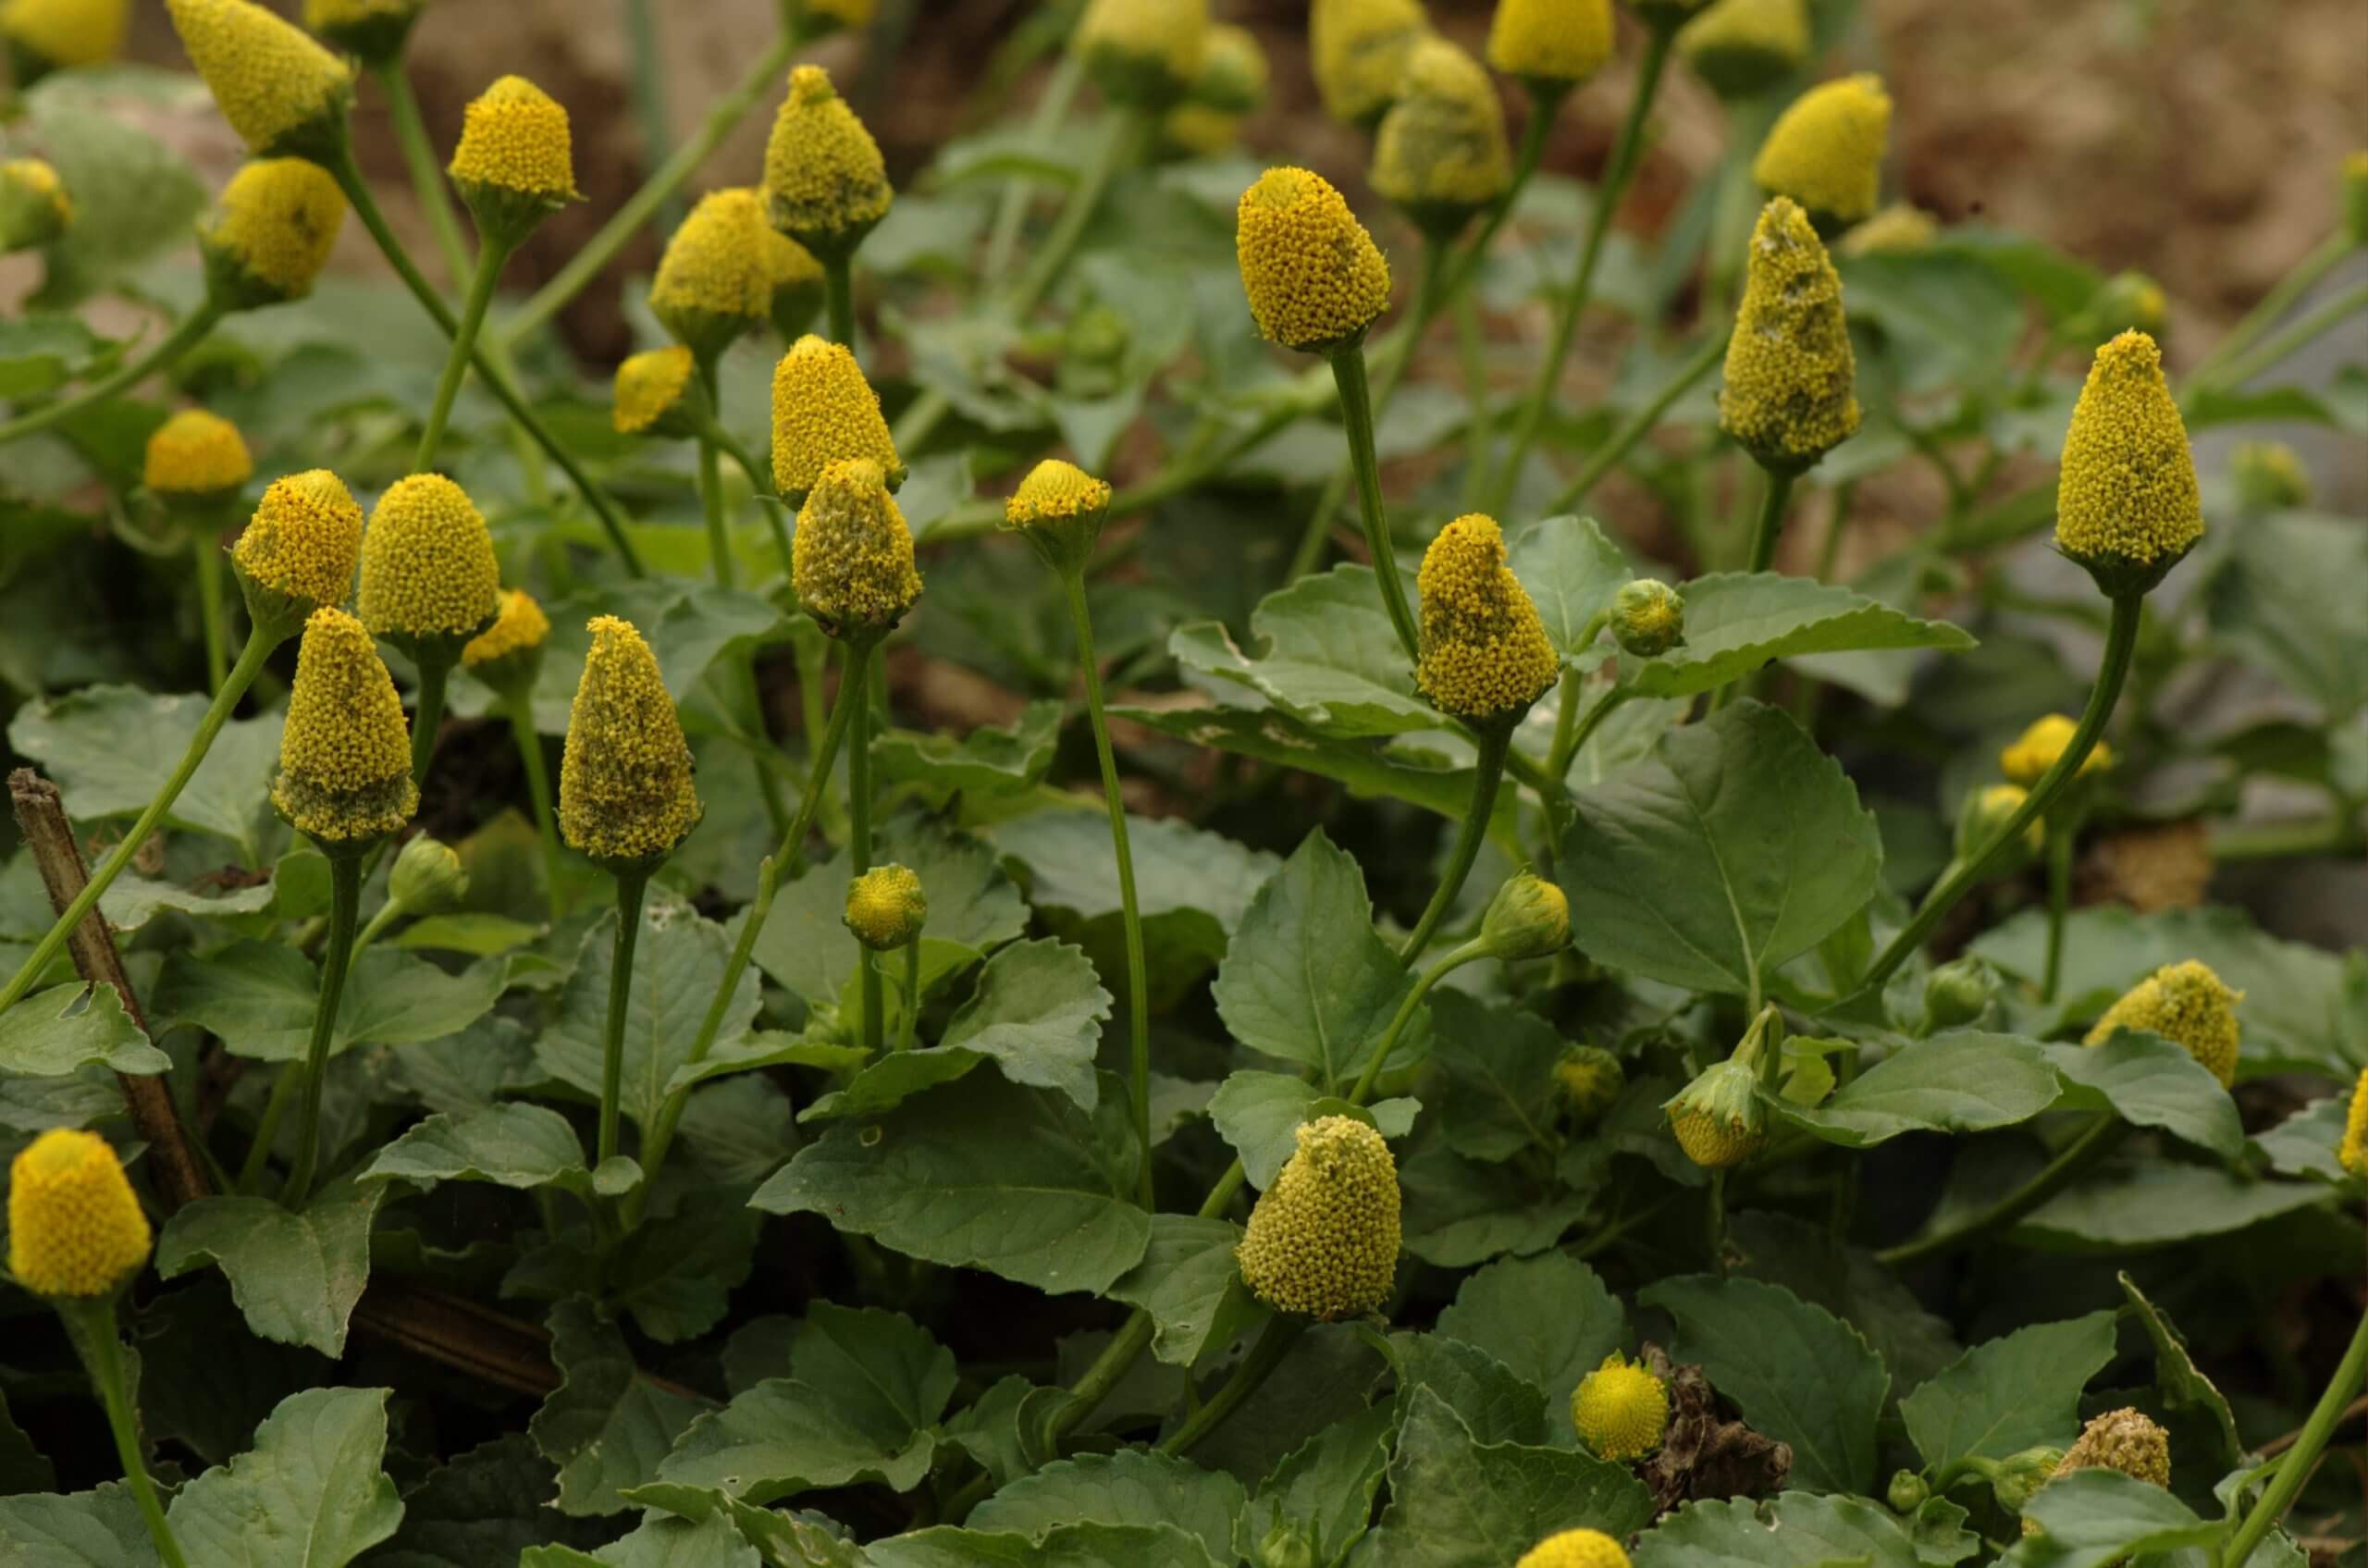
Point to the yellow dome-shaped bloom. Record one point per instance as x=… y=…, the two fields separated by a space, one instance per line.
x=824 y=411
x=75 y=1227
x=716 y=279
x=1791 y=392
x=1826 y=150
x=626 y=796
x=345 y=752
x=197 y=454
x=851 y=560
x=2269 y=475
x=67 y=33
x=1743 y=46
x=886 y=907
x=1323 y=1239
x=2121 y=1440
x=2125 y=498
x=2186 y=1004
x=34 y=207
x=1576 y=1548
x=427 y=565
x=2043 y=741
x=1900 y=230
x=1059 y=510
x=1621 y=1410
x=271 y=231
x=305 y=539
x=650 y=388
x=1358 y=51
x=515 y=137
x=280 y=91
x=521 y=625
x=2352 y=1154
x=1550 y=40
x=1441 y=152
x=825 y=183
x=1718 y=1118
x=1145 y=51
x=1314 y=277
x=1485 y=654
x=1587 y=1080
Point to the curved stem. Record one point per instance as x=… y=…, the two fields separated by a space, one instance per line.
x=1449 y=963
x=2282 y=294
x=419 y=161
x=427 y=715
x=1280 y=1335
x=2059 y=896
x=1606 y=705
x=859 y=861
x=207 y=545
x=838 y=285
x=266 y=1134
x=2309 y=328
x=631 y=885
x=388 y=913
x=2294 y=1466
x=539 y=790
x=1488 y=772
x=92 y=1325
x=164 y=354
x=490 y=257
x=2092 y=1145
x=1116 y=150
x=345 y=899
x=910 y=994
x=1605 y=458
x=1356 y=412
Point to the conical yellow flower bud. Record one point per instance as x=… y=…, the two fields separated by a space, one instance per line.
x=1576 y=1548
x=1900 y=230
x=34 y=207
x=197 y=456
x=2126 y=503
x=825 y=183
x=1790 y=379
x=2122 y=1439
x=1621 y=1410
x=797 y=282
x=1143 y=52
x=851 y=560
x=374 y=29
x=716 y=279
x=272 y=232
x=1358 y=50
x=1441 y=152
x=428 y=574
x=824 y=411
x=75 y=1227
x=2352 y=1154
x=2036 y=750
x=344 y=778
x=280 y=91
x=66 y=33
x=1717 y=1118
x=1586 y=1080
x=515 y=163
x=1826 y=150
x=2186 y=1004
x=1743 y=46
x=1988 y=809
x=1314 y=277
x=1059 y=510
x=1323 y=1239
x=1559 y=43
x=521 y=627
x=1485 y=654
x=304 y=541
x=886 y=907
x=2269 y=475
x=625 y=796
x=651 y=394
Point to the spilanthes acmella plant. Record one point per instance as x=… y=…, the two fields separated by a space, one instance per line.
x=1826 y=150
x=1143 y=54
x=1741 y=47
x=1322 y=1240
x=1552 y=44
x=1485 y=654
x=1791 y=392
x=825 y=411
x=1358 y=51
x=715 y=281
x=1582 y=1548
x=1621 y=1410
x=282 y=92
x=1441 y=152
x=372 y=30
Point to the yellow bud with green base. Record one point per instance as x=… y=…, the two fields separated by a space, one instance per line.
x=1899 y=230
x=515 y=163
x=1357 y=49
x=825 y=412
x=1322 y=1240
x=825 y=184
x=345 y=775
x=1059 y=510
x=658 y=392
x=625 y=794
x=1484 y=655
x=508 y=655
x=374 y=30
x=1550 y=44
x=1576 y=1548
x=1718 y=1118
x=34 y=207
x=46 y=35
x=1648 y=618
x=1742 y=47
x=1588 y=1079
x=2186 y=1003
x=1791 y=386
x=271 y=233
x=886 y=907
x=75 y=1227
x=297 y=552
x=1621 y=1410
x=1826 y=150
x=1144 y=53
x=2351 y=1150
x=1440 y=154
x=285 y=94
x=1529 y=917
x=2269 y=476
x=427 y=877
x=851 y=559
x=715 y=280
x=2127 y=507
x=1990 y=808
x=196 y=461
x=2033 y=752
x=429 y=580
x=1313 y=278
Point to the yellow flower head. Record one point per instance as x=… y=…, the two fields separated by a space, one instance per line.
x=1323 y=1239
x=2269 y=475
x=1560 y=42
x=374 y=29
x=824 y=411
x=1059 y=510
x=1199 y=131
x=2352 y=1153
x=650 y=393
x=1743 y=46
x=2127 y=300
x=345 y=752
x=1484 y=655
x=280 y=91
x=1576 y=1548
x=1621 y=1410
x=75 y=1226
x=1718 y=1118
x=2124 y=1440
x=1441 y=152
x=1826 y=150
x=1587 y=1080
x=851 y=560
x=1988 y=809
x=886 y=907
x=825 y=183
x=1900 y=230
x=716 y=279
x=197 y=454
x=1648 y=618
x=626 y=796
x=1359 y=52
x=515 y=138
x=272 y=232
x=2186 y=1004
x=1232 y=77
x=303 y=540
x=427 y=566
x=67 y=33
x=1145 y=51
x=1791 y=393
x=2036 y=750
x=34 y=207
x=1314 y=277
x=521 y=627
x=2126 y=502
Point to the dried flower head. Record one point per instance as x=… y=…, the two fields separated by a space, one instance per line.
x=34 y=207
x=1556 y=42
x=75 y=1226
x=2043 y=741
x=716 y=279
x=344 y=777
x=825 y=183
x=2121 y=1440
x=824 y=411
x=2153 y=866
x=63 y=33
x=1790 y=391
x=886 y=907
x=1484 y=653
x=1323 y=1239
x=1358 y=50
x=1900 y=230
x=1142 y=51
x=649 y=393
x=272 y=232
x=1314 y=278
x=280 y=91
x=197 y=456
x=2126 y=503
x=1441 y=152
x=1718 y=1118
x=1744 y=47
x=1648 y=618
x=1586 y=1080
x=304 y=541
x=427 y=565
x=1621 y=1410
x=1826 y=150
x=2186 y=1003
x=2352 y=1154
x=520 y=627
x=1576 y=1548
x=626 y=796
x=851 y=560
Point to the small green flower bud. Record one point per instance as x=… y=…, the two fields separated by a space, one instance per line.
x=1648 y=618
x=428 y=878
x=1959 y=992
x=1988 y=809
x=1529 y=917
x=2269 y=476
x=2126 y=302
x=2018 y=1476
x=1908 y=1492
x=34 y=208
x=1286 y=1546
x=1586 y=1080
x=886 y=907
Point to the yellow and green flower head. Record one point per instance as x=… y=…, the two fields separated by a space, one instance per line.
x=427 y=877
x=1529 y=917
x=506 y=655
x=2352 y=194
x=515 y=163
x=2035 y=751
x=1745 y=46
x=2186 y=1004
x=2019 y=1475
x=825 y=183
x=1791 y=392
x=2269 y=475
x=374 y=30
x=1648 y=618
x=281 y=91
x=297 y=552
x=272 y=233
x=1576 y=1548
x=824 y=411
x=851 y=560
x=656 y=396
x=1717 y=1118
x=1485 y=654
x=2352 y=1154
x=886 y=907
x=1440 y=152
x=56 y=34
x=1142 y=51
x=1900 y=230
x=716 y=279
x=1621 y=1410
x=2126 y=503
x=429 y=580
x=626 y=796
x=34 y=207
x=1359 y=49
x=1586 y=1080
x=1323 y=1239
x=2122 y=1439
x=820 y=16
x=1990 y=808
x=75 y=1226
x=197 y=457
x=796 y=280
x=1314 y=277
x=1553 y=44
x=1232 y=78
x=344 y=779
x=1059 y=510
x=2128 y=301
x=1826 y=150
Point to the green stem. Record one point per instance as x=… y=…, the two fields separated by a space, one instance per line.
x=1472 y=347
x=1115 y=149
x=910 y=993
x=1137 y=967
x=2308 y=330
x=2305 y=277
x=266 y=1135
x=1604 y=708
x=92 y=1325
x=419 y=160
x=490 y=257
x=859 y=861
x=427 y=715
x=2294 y=1464
x=345 y=899
x=631 y=885
x=207 y=544
x=1448 y=962
x=1356 y=412
x=838 y=285
x=1605 y=458
x=648 y=80
x=187 y=334
x=260 y=643
x=1546 y=102
x=1775 y=497
x=388 y=913
x=1717 y=1221
x=2059 y=897
x=2092 y=1145
x=1280 y=1335
x=1011 y=211
x=1625 y=155
x=1488 y=772
x=539 y=790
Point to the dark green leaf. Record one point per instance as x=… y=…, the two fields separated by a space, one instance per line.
x=94 y=1529
x=1189 y=1282
x=2305 y=1143
x=605 y=1425
x=55 y=1032
x=295 y=1276
x=780 y=1437
x=1332 y=659
x=514 y=1145
x=2155 y=1204
x=1964 y=1083
x=1500 y=1067
x=988 y=761
x=1326 y=1489
x=1455 y=1503
x=1736 y=622
x=1493 y=1401
x=1193 y=886
x=1131 y=1486
x=310 y=1493
x=1260 y=1113
x=1549 y=1318
x=260 y=996
x=2010 y=1394
x=1571 y=569
x=658 y=1542
x=1795 y=1530
x=1073 y=1546
x=2182 y=1383
x=111 y=749
x=2150 y=1082
x=2098 y=1516
x=485 y=1507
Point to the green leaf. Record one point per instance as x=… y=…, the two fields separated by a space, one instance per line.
x=479 y=936
x=658 y=1542
x=1735 y=623
x=111 y=749
x=1455 y=1503
x=1325 y=1487
x=1494 y=1403
x=879 y=1369
x=485 y=1507
x=986 y=1175
x=1332 y=661
x=1797 y=1530
x=1274 y=736
x=1798 y=1373
x=1847 y=1282
x=1571 y=569
x=1737 y=846
x=1960 y=1082
x=1549 y=1318
x=676 y=1274
x=988 y=761
x=259 y=997
x=513 y=1145
x=1073 y=1546
x=1500 y=1067
x=781 y=1438
x=134 y=195
x=55 y=1032
x=1260 y=1113
x=2282 y=606
x=2150 y=1082
x=1193 y=886
x=94 y=1529
x=1189 y=1282
x=1131 y=1486
x=2131 y=1206
x=2094 y=1517
x=310 y=1493
x=2305 y=1143
x=605 y=1425
x=1460 y=1212
x=40 y=352
x=133 y=901
x=2010 y=1394
x=1009 y=1429
x=2182 y=1383
x=1946 y=320
x=294 y=1276
x=766 y=1049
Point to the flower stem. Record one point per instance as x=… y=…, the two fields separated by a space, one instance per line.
x=539 y=790
x=266 y=1134
x=911 y=992
x=2094 y=1141
x=1774 y=496
x=838 y=284
x=2308 y=330
x=648 y=80
x=2294 y=1464
x=190 y=330
x=1011 y=211
x=2280 y=299
x=1281 y=1333
x=90 y=1324
x=419 y=160
x=2059 y=896
x=631 y=885
x=1605 y=458
x=1356 y=412
x=207 y=545
x=1488 y=772
x=1118 y=149
x=490 y=257
x=859 y=861
x=427 y=716
x=345 y=899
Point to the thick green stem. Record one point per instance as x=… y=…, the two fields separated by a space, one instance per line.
x=2273 y=305
x=266 y=1134
x=2294 y=1464
x=2310 y=329
x=420 y=162
x=345 y=901
x=260 y=643
x=631 y=885
x=838 y=285
x=1471 y=348
x=1605 y=458
x=719 y=531
x=1356 y=413
x=90 y=1324
x=1281 y=1334
x=166 y=353
x=2092 y=1145
x=207 y=545
x=2059 y=899
x=427 y=715
x=648 y=79
x=909 y=996
x=1488 y=772
x=1774 y=496
x=538 y=792
x=859 y=861
x=490 y=257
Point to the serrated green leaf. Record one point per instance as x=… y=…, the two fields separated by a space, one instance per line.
x=259 y=997
x=101 y=1528
x=1793 y=1530
x=1193 y=886
x=1332 y=659
x=880 y=1370
x=2305 y=1143
x=310 y=1493
x=1459 y=1212
x=1324 y=1489
x=1962 y=1082
x=56 y=1032
x=132 y=902
x=1009 y=1429
x=1847 y=1282
x=1190 y=1283
x=1131 y=1486
x=2009 y=1394
x=485 y=1507
x=781 y=1438
x=1492 y=1400
x=2132 y=1206
x=1735 y=623
x=513 y=1145
x=1549 y=1318
x=1260 y=1113
x=111 y=749
x=1455 y=1503
x=1072 y=1546
x=1272 y=736
x=2150 y=1082
x=658 y=1542
x=1500 y=1067
x=605 y=1425
x=988 y=761
x=294 y=1276
x=2098 y=1516
x=1571 y=569
x=2182 y=1383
